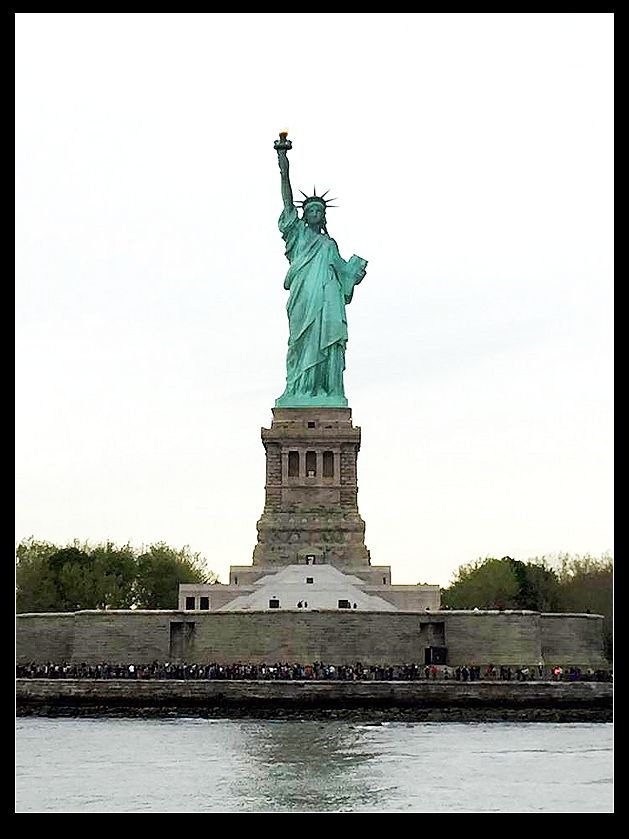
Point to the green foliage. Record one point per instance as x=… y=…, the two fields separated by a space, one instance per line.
x=35 y=582
x=539 y=586
x=72 y=577
x=159 y=572
x=50 y=578
x=505 y=583
x=485 y=583
x=115 y=571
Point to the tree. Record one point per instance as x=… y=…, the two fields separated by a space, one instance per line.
x=505 y=583
x=73 y=578
x=114 y=572
x=78 y=576
x=539 y=586
x=36 y=590
x=485 y=583
x=161 y=569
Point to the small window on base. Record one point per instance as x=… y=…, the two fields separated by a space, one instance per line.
x=293 y=464
x=328 y=464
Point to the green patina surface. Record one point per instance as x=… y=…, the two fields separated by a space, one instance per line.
x=321 y=284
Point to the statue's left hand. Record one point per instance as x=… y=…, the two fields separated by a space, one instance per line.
x=360 y=268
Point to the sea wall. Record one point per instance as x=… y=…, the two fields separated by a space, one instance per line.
x=391 y=700
x=479 y=638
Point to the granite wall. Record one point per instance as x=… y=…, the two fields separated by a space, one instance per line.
x=509 y=638
x=45 y=637
x=571 y=637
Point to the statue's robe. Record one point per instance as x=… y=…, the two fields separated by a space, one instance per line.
x=320 y=283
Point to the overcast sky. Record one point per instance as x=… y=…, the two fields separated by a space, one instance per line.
x=472 y=157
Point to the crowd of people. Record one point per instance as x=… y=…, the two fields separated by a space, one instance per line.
x=317 y=671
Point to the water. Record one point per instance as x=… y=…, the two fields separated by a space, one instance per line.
x=224 y=766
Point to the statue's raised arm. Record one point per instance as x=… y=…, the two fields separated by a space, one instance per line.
x=321 y=284
x=282 y=146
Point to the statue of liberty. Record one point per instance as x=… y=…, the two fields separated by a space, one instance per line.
x=321 y=284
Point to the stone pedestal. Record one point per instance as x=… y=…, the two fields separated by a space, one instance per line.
x=311 y=508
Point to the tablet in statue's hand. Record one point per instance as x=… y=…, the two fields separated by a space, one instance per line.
x=357 y=267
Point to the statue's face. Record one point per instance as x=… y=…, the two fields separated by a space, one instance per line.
x=314 y=214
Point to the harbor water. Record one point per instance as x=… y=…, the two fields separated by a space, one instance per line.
x=185 y=765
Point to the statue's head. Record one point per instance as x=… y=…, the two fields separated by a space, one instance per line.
x=314 y=207
x=314 y=212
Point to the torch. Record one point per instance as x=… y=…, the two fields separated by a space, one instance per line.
x=283 y=144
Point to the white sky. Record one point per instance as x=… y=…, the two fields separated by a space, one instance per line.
x=472 y=155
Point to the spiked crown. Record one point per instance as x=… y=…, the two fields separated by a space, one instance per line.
x=320 y=199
